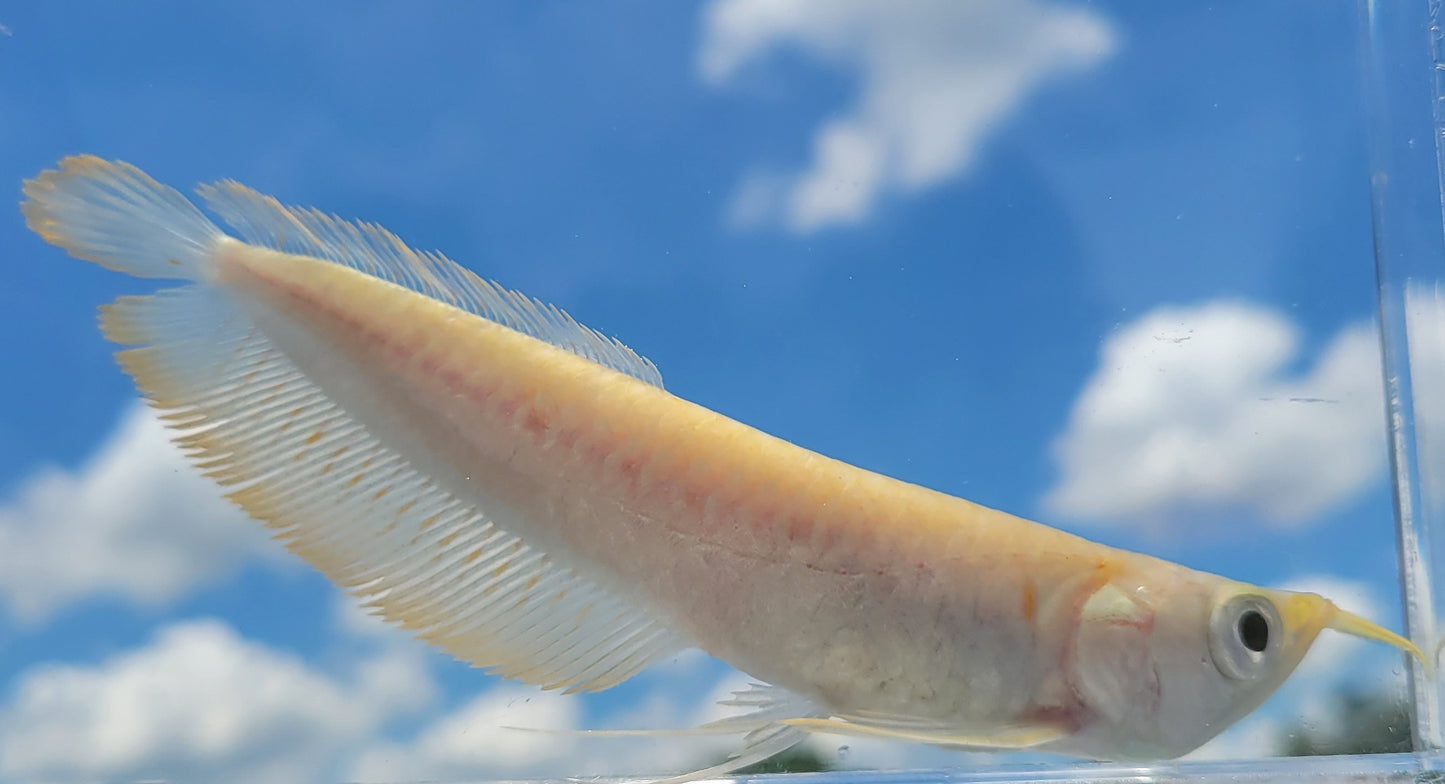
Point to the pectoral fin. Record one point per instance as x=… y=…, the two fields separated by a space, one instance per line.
x=765 y=728
x=1012 y=738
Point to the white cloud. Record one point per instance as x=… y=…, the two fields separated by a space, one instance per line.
x=476 y=741
x=514 y=730
x=1425 y=329
x=937 y=77
x=1197 y=409
x=1425 y=326
x=200 y=704
x=135 y=521
x=349 y=617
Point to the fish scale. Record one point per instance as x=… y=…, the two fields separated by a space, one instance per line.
x=521 y=491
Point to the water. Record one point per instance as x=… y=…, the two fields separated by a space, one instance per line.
x=1367 y=769
x=1167 y=276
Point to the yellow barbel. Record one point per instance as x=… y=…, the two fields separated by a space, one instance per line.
x=521 y=492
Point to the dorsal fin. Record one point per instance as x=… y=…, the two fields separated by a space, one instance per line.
x=262 y=220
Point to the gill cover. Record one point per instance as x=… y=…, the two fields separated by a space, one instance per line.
x=1165 y=662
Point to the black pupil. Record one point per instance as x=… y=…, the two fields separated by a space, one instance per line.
x=1253 y=631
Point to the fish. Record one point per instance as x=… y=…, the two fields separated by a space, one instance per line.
x=523 y=493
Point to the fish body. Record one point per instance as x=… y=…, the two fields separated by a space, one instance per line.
x=850 y=586
x=524 y=493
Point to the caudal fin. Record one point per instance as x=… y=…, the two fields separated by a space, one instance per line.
x=115 y=215
x=453 y=569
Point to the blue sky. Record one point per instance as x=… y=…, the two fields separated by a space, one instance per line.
x=1081 y=262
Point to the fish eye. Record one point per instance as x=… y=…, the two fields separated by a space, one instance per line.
x=1253 y=630
x=1243 y=631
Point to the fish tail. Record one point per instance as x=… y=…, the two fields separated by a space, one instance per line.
x=261 y=421
x=115 y=215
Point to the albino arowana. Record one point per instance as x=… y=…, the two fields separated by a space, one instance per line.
x=521 y=492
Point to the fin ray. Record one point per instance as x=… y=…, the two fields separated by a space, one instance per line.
x=263 y=220
x=362 y=514
x=915 y=731
x=115 y=215
x=453 y=571
x=767 y=730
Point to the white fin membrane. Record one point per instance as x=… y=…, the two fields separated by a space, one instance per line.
x=359 y=512
x=914 y=730
x=262 y=220
x=766 y=728
x=766 y=731
x=293 y=458
x=118 y=217
x=336 y=494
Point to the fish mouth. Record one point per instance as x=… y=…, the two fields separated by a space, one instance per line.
x=1310 y=612
x=1351 y=624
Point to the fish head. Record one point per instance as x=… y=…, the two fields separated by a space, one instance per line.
x=1163 y=667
